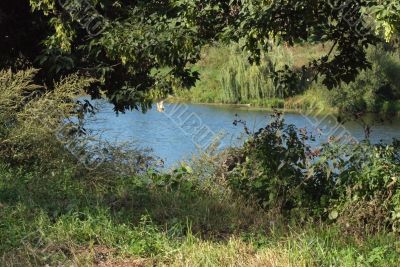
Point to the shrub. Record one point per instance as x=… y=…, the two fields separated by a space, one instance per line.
x=373 y=87
x=338 y=181
x=32 y=116
x=44 y=128
x=276 y=170
x=367 y=186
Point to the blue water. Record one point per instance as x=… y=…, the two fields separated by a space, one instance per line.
x=185 y=129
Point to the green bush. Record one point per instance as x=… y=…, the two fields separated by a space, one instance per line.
x=32 y=116
x=276 y=170
x=337 y=181
x=374 y=88
x=366 y=181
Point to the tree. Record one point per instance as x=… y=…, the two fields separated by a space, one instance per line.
x=21 y=32
x=387 y=15
x=141 y=49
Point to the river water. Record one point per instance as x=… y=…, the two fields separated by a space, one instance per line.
x=184 y=129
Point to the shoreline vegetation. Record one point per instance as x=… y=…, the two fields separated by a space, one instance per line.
x=173 y=99
x=312 y=111
x=227 y=78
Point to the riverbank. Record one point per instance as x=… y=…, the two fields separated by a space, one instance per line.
x=57 y=219
x=228 y=78
x=285 y=106
x=296 y=105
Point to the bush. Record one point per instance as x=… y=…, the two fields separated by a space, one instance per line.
x=44 y=128
x=373 y=87
x=337 y=181
x=276 y=170
x=32 y=116
x=228 y=77
x=367 y=181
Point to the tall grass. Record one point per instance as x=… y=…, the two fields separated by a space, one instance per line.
x=61 y=219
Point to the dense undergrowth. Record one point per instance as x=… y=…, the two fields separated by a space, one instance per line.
x=228 y=77
x=273 y=202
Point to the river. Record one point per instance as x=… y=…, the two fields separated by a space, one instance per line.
x=183 y=129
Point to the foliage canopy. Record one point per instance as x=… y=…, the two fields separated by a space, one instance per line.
x=139 y=50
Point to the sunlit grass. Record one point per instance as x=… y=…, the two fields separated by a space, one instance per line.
x=174 y=227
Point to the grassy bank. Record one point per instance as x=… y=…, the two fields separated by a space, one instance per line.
x=63 y=220
x=227 y=77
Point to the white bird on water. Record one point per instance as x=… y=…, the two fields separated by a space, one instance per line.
x=160 y=106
